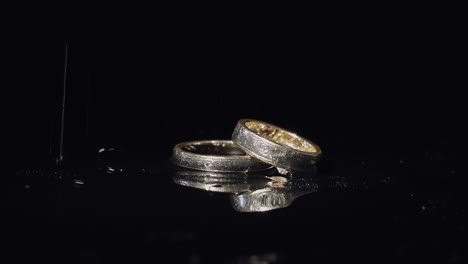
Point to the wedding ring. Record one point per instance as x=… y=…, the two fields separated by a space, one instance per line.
x=215 y=155
x=279 y=147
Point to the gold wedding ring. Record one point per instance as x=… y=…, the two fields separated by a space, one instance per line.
x=279 y=147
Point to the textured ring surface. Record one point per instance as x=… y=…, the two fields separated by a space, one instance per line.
x=279 y=147
x=215 y=155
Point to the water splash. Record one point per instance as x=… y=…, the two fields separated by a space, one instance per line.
x=62 y=123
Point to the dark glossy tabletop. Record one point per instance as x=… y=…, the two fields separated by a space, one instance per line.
x=363 y=208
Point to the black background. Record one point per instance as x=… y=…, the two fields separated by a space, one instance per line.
x=381 y=95
x=375 y=85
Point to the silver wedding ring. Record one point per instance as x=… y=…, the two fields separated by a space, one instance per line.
x=216 y=156
x=279 y=147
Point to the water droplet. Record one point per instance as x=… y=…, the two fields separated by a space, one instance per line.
x=101 y=150
x=78 y=182
x=386 y=179
x=338 y=182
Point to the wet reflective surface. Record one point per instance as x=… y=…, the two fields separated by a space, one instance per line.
x=350 y=210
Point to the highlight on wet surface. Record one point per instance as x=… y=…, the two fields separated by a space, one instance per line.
x=258 y=192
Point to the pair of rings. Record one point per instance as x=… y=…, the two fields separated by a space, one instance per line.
x=255 y=145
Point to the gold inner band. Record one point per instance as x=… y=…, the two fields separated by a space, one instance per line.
x=280 y=136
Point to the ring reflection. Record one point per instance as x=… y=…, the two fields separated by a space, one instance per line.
x=258 y=192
